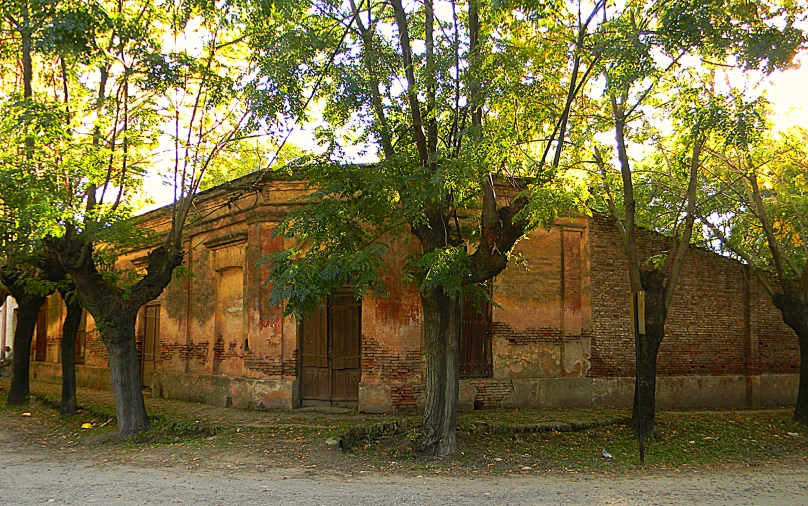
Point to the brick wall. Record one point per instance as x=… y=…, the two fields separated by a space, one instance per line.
x=775 y=348
x=401 y=371
x=491 y=392
x=95 y=352
x=527 y=336
x=268 y=366
x=717 y=324
x=184 y=352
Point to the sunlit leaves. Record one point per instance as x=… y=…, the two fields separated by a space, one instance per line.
x=444 y=269
x=777 y=162
x=756 y=34
x=72 y=30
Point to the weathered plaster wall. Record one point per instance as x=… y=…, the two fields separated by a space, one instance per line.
x=560 y=333
x=95 y=351
x=391 y=341
x=543 y=325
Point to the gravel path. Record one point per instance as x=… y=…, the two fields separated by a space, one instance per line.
x=38 y=476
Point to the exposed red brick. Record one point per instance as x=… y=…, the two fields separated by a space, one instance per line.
x=707 y=328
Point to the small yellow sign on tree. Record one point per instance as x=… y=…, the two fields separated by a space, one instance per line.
x=638 y=316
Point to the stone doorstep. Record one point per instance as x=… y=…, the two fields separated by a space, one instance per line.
x=336 y=410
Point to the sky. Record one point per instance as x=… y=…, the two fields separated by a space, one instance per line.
x=788 y=93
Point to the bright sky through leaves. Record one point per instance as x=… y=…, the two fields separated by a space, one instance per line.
x=785 y=90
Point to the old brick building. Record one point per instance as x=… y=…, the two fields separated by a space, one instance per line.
x=558 y=336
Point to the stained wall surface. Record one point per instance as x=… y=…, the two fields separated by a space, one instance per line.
x=559 y=331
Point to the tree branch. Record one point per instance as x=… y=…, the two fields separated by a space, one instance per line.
x=684 y=242
x=412 y=94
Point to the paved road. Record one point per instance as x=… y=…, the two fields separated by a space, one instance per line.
x=37 y=476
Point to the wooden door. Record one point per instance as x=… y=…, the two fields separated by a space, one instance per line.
x=344 y=329
x=41 y=350
x=151 y=342
x=330 y=352
x=315 y=374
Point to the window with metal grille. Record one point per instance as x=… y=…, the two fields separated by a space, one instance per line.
x=41 y=345
x=475 y=341
x=81 y=338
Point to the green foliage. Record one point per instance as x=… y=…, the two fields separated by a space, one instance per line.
x=113 y=84
x=72 y=29
x=519 y=70
x=777 y=165
x=333 y=240
x=567 y=196
x=241 y=158
x=26 y=184
x=661 y=63
x=754 y=34
x=444 y=268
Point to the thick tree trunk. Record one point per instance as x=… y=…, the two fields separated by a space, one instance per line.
x=115 y=312
x=70 y=329
x=441 y=345
x=124 y=370
x=795 y=315
x=27 y=313
x=649 y=348
x=801 y=409
x=655 y=316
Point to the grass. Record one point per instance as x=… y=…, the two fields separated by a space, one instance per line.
x=491 y=441
x=687 y=440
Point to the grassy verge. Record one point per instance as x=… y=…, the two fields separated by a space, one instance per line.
x=491 y=441
x=687 y=440
x=95 y=425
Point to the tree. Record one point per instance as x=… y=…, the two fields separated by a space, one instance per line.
x=643 y=50
x=757 y=211
x=144 y=93
x=18 y=23
x=125 y=81
x=30 y=299
x=70 y=328
x=467 y=109
x=26 y=271
x=25 y=120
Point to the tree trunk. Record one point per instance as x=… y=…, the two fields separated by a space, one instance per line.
x=795 y=315
x=70 y=329
x=27 y=312
x=801 y=409
x=115 y=313
x=124 y=370
x=441 y=346
x=653 y=283
x=649 y=347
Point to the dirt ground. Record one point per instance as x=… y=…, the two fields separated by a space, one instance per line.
x=42 y=470
x=241 y=457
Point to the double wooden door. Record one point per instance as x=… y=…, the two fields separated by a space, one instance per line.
x=330 y=352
